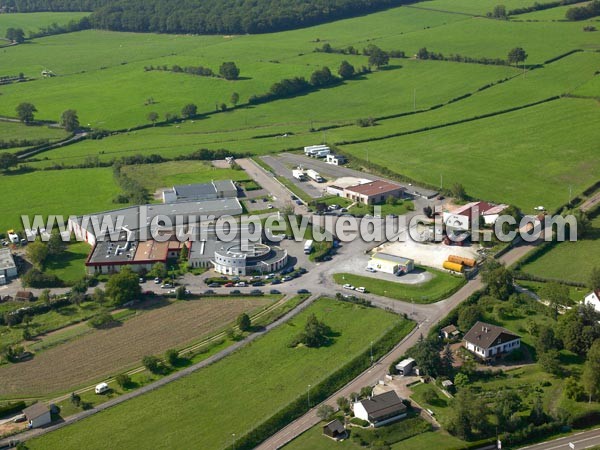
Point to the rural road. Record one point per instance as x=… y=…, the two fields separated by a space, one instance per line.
x=579 y=441
x=427 y=316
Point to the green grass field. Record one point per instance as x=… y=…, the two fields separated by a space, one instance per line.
x=12 y=130
x=66 y=192
x=69 y=266
x=571 y=261
x=556 y=13
x=34 y=21
x=196 y=407
x=439 y=287
x=153 y=176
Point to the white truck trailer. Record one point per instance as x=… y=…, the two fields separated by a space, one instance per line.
x=308 y=247
x=314 y=175
x=299 y=174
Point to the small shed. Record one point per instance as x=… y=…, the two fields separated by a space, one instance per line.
x=24 y=296
x=405 y=367
x=335 y=429
x=450 y=331
x=447 y=384
x=38 y=415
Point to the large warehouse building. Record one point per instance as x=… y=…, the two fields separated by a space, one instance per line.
x=374 y=192
x=203 y=191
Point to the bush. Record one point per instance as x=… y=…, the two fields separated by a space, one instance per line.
x=123 y=380
x=10 y=408
x=154 y=365
x=359 y=422
x=36 y=279
x=172 y=357
x=102 y=320
x=243 y=322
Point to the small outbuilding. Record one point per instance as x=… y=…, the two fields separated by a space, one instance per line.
x=396 y=265
x=335 y=430
x=449 y=332
x=24 y=296
x=405 y=367
x=37 y=415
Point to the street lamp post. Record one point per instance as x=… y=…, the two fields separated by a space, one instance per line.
x=233 y=441
x=308 y=396
x=371 y=352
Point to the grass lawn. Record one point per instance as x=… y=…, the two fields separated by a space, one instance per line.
x=12 y=130
x=66 y=192
x=400 y=208
x=154 y=176
x=34 y=21
x=576 y=294
x=335 y=200
x=572 y=261
x=194 y=408
x=439 y=287
x=69 y=266
x=440 y=405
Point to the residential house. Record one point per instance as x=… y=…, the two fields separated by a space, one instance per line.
x=380 y=409
x=487 y=341
x=593 y=299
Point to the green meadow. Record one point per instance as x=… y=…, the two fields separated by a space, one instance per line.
x=211 y=404
x=66 y=192
x=34 y=21
x=528 y=157
x=14 y=130
x=571 y=261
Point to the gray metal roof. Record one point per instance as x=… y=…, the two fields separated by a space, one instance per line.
x=6 y=259
x=383 y=405
x=393 y=258
x=36 y=410
x=204 y=191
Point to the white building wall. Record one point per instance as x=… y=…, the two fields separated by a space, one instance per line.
x=592 y=299
x=360 y=411
x=40 y=421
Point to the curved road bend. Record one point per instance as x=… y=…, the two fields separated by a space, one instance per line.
x=427 y=316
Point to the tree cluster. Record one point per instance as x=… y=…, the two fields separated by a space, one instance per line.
x=592 y=9
x=315 y=334
x=15 y=35
x=423 y=53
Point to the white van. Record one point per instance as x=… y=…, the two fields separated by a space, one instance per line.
x=101 y=388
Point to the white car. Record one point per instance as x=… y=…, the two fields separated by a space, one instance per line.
x=361 y=289
x=240 y=284
x=348 y=286
x=269 y=206
x=370 y=269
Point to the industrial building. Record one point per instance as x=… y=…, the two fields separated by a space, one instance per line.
x=374 y=192
x=396 y=265
x=459 y=218
x=8 y=268
x=336 y=160
x=202 y=191
x=142 y=219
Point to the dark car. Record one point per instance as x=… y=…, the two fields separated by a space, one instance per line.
x=235 y=292
x=303 y=291
x=276 y=281
x=209 y=292
x=258 y=283
x=214 y=285
x=274 y=292
x=302 y=270
x=298 y=202
x=256 y=292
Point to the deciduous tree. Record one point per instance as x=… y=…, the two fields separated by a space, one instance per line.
x=25 y=112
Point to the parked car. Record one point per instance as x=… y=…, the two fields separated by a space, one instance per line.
x=256 y=292
x=229 y=285
x=276 y=281
x=274 y=292
x=370 y=269
x=258 y=283
x=214 y=285
x=361 y=289
x=269 y=206
x=101 y=388
x=303 y=291
x=348 y=286
x=157 y=280
x=142 y=280
x=209 y=292
x=235 y=292
x=166 y=286
x=287 y=278
x=302 y=270
x=240 y=284
x=298 y=202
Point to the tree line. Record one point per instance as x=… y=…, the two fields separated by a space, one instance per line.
x=228 y=70
x=207 y=16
